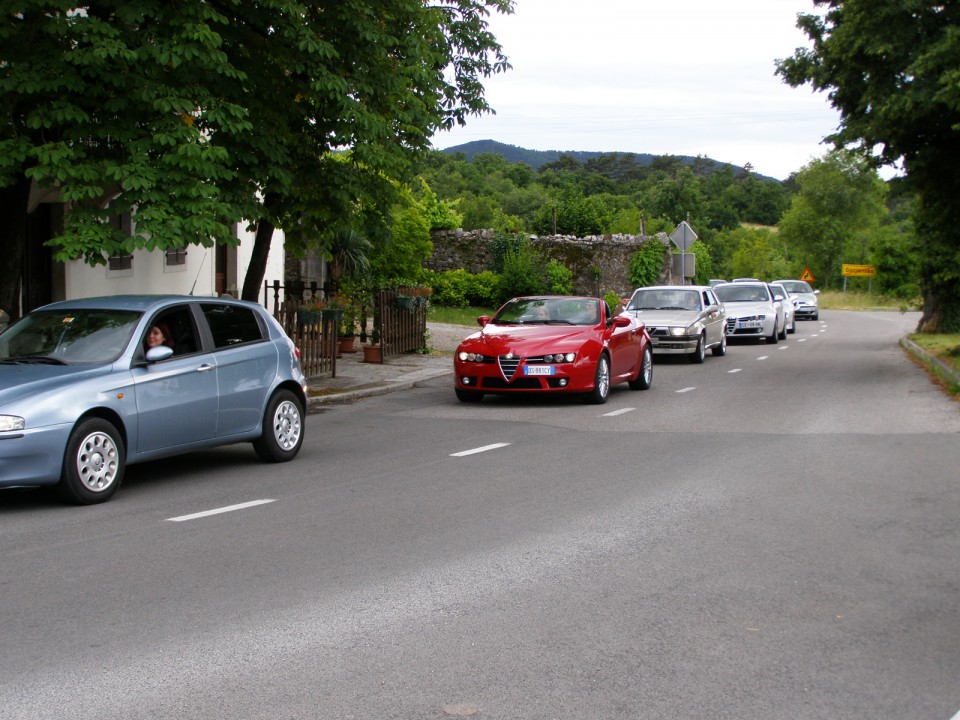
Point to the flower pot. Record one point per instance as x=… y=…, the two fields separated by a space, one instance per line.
x=347 y=344
x=404 y=302
x=372 y=354
x=308 y=317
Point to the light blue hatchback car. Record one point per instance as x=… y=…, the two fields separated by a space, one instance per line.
x=82 y=395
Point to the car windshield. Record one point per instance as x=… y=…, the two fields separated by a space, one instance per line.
x=742 y=292
x=68 y=336
x=549 y=311
x=796 y=286
x=665 y=299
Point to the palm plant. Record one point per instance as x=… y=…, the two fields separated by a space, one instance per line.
x=347 y=255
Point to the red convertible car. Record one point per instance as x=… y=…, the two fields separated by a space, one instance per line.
x=553 y=344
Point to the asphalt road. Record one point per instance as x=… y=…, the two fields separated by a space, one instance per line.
x=772 y=534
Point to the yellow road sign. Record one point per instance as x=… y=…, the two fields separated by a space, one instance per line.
x=806 y=275
x=859 y=270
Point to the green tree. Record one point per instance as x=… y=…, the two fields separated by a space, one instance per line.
x=201 y=115
x=838 y=208
x=890 y=68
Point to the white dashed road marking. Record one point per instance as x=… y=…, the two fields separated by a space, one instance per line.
x=731 y=372
x=229 y=508
x=618 y=412
x=479 y=450
x=683 y=390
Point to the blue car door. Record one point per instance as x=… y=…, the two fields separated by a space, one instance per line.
x=177 y=398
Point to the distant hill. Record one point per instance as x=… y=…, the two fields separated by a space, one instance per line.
x=538 y=158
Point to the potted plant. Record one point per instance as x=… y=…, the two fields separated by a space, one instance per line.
x=373 y=353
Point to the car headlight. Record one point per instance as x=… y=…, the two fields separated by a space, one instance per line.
x=11 y=422
x=560 y=358
x=471 y=357
x=679 y=331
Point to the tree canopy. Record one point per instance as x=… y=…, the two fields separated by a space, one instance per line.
x=205 y=113
x=891 y=68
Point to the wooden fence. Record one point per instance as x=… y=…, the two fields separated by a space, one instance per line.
x=399 y=324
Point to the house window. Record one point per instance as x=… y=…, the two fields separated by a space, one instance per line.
x=176 y=256
x=121 y=262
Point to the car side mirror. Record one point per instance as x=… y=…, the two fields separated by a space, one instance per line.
x=620 y=321
x=816 y=292
x=158 y=353
x=483 y=320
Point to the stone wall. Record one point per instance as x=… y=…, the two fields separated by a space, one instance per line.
x=472 y=251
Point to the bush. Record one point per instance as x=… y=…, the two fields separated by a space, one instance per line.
x=646 y=265
x=460 y=289
x=559 y=278
x=523 y=273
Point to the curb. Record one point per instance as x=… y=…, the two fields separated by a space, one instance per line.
x=370 y=391
x=938 y=366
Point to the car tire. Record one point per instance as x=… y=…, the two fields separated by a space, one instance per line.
x=721 y=349
x=783 y=333
x=601 y=381
x=816 y=315
x=645 y=373
x=793 y=326
x=93 y=463
x=698 y=355
x=774 y=337
x=283 y=428
x=468 y=396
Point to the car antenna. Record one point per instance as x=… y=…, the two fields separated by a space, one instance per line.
x=202 y=260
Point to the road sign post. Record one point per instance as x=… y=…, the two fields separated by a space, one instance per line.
x=683 y=237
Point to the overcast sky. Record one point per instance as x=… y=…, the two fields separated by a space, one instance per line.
x=668 y=77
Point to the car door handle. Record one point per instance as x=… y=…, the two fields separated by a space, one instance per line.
x=205 y=367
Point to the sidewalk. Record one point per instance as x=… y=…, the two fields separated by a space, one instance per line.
x=357 y=379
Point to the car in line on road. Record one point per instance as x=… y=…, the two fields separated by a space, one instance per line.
x=805 y=302
x=681 y=319
x=783 y=297
x=83 y=394
x=553 y=344
x=752 y=311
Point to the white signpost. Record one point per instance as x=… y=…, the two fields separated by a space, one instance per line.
x=683 y=237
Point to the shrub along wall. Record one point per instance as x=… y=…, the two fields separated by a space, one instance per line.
x=472 y=250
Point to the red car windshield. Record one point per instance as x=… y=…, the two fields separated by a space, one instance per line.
x=542 y=311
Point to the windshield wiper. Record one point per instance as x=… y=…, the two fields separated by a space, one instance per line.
x=674 y=307
x=32 y=360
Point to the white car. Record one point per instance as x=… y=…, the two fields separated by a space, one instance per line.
x=752 y=311
x=805 y=301
x=681 y=319
x=789 y=314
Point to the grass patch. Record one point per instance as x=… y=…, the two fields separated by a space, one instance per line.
x=946 y=347
x=457 y=316
x=850 y=300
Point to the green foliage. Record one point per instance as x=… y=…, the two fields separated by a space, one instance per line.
x=400 y=259
x=504 y=244
x=613 y=299
x=704 y=264
x=559 y=278
x=440 y=214
x=202 y=115
x=458 y=288
x=647 y=263
x=523 y=273
x=760 y=253
x=831 y=220
x=890 y=68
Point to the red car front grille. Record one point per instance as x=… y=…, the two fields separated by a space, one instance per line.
x=508 y=366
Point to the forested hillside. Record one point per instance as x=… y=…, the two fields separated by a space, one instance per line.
x=835 y=210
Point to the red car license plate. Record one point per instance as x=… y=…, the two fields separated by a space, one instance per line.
x=538 y=369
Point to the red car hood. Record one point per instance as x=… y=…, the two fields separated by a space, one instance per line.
x=528 y=340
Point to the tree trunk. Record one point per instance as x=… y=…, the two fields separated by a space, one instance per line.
x=257 y=268
x=13 y=237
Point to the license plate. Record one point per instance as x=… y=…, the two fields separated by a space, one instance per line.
x=750 y=324
x=538 y=369
x=654 y=341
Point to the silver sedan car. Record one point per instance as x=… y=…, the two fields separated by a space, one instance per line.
x=752 y=311
x=89 y=386
x=681 y=319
